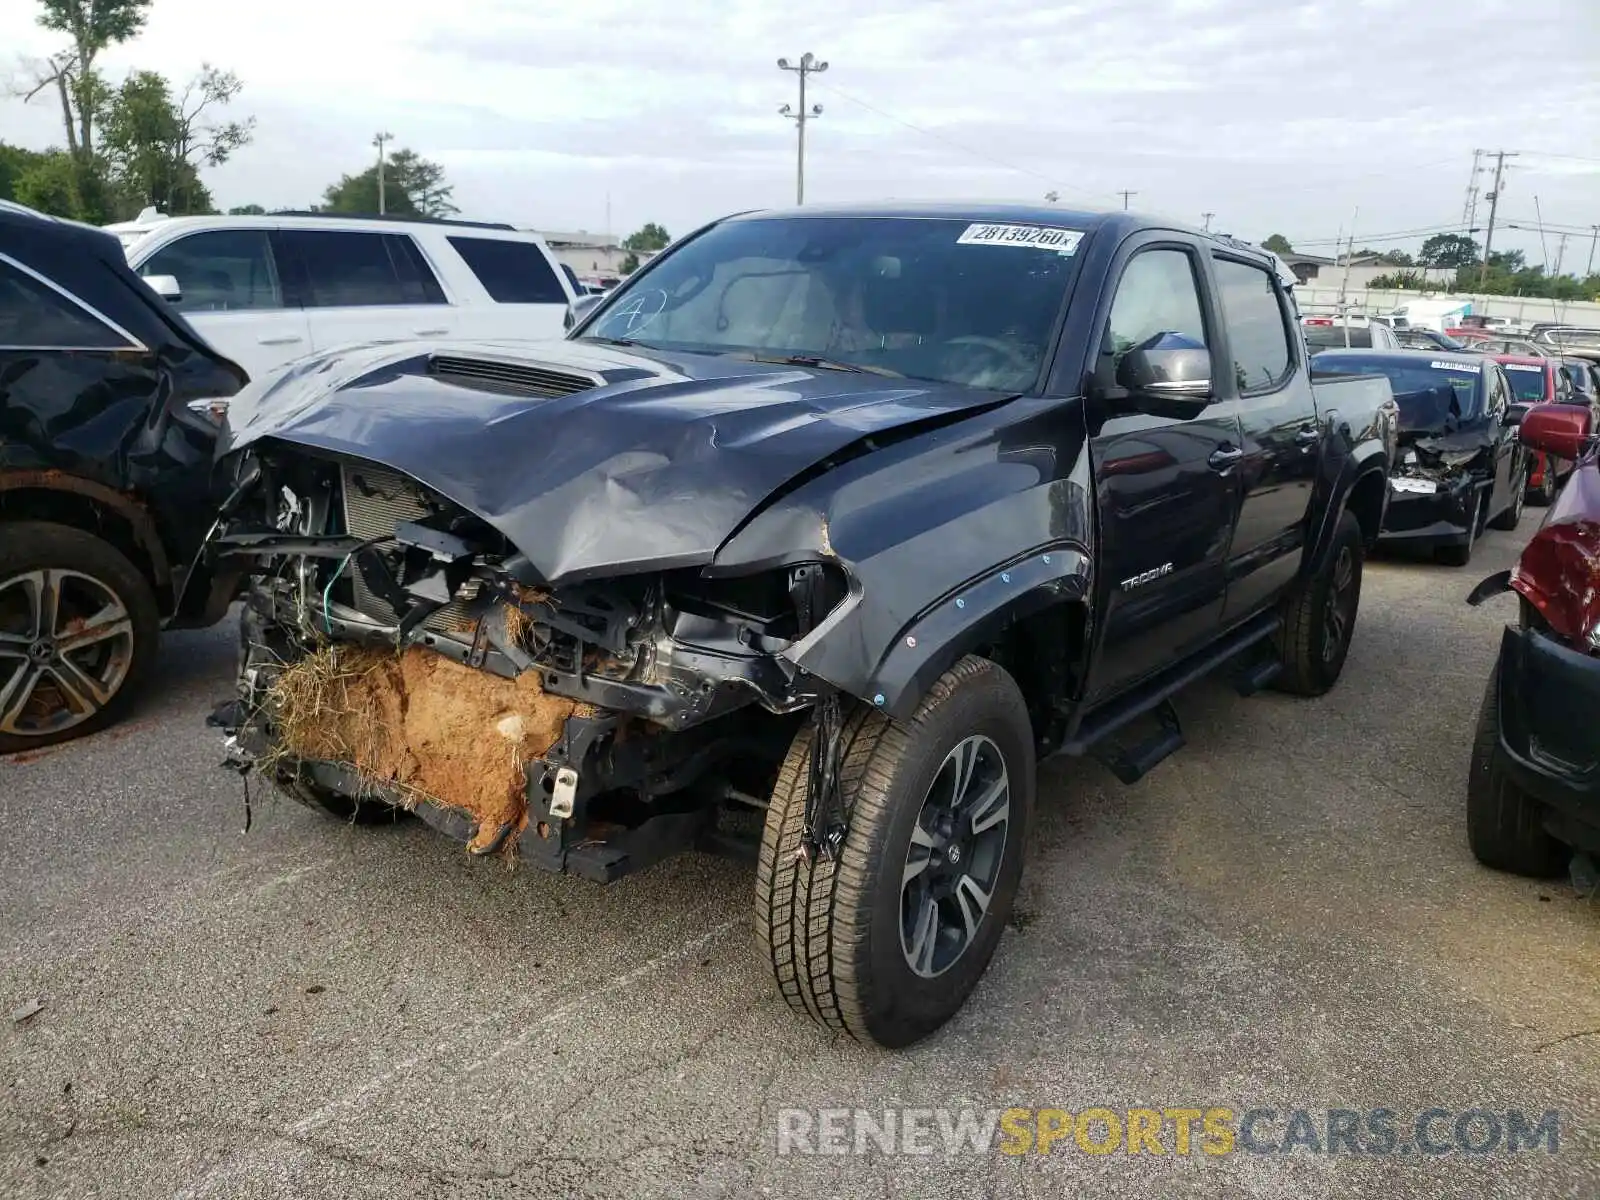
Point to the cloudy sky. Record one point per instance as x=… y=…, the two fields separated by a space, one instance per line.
x=1272 y=114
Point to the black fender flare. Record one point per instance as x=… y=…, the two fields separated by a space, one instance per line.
x=1369 y=462
x=935 y=639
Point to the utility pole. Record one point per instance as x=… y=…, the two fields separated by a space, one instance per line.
x=1469 y=211
x=1207 y=217
x=1594 y=234
x=809 y=65
x=1125 y=196
x=1499 y=157
x=380 y=140
x=1561 y=252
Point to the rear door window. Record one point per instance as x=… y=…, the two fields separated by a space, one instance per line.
x=511 y=272
x=351 y=269
x=220 y=270
x=1258 y=330
x=34 y=316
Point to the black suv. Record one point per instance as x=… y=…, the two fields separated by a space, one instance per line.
x=832 y=521
x=106 y=448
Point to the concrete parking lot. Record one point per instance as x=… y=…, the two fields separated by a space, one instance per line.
x=1283 y=916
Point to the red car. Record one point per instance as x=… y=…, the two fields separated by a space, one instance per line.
x=1533 y=794
x=1538 y=381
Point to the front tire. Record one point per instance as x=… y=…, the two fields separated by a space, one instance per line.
x=79 y=631
x=1512 y=517
x=1505 y=825
x=1320 y=616
x=887 y=941
x=1461 y=555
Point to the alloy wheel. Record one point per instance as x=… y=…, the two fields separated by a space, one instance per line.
x=66 y=646
x=1340 y=604
x=953 y=863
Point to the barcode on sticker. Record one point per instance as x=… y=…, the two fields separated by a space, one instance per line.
x=1036 y=237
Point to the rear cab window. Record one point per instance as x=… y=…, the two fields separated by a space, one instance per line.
x=512 y=272
x=1256 y=323
x=36 y=315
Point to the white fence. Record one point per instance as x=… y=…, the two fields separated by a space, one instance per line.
x=1517 y=308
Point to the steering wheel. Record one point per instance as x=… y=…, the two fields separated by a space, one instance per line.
x=1011 y=354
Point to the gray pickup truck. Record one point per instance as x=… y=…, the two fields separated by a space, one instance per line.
x=806 y=544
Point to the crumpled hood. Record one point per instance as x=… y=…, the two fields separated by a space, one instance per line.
x=651 y=466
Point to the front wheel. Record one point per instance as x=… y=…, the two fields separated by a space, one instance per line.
x=1460 y=554
x=1320 y=616
x=1512 y=517
x=886 y=941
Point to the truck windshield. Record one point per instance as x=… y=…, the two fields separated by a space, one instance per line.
x=928 y=298
x=1527 y=381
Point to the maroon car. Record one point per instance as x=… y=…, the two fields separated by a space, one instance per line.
x=1533 y=795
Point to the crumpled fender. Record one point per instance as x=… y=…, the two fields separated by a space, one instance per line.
x=945 y=536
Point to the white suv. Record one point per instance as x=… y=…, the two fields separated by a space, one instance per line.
x=270 y=289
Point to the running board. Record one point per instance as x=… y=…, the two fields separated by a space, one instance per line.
x=1132 y=764
x=1255 y=676
x=1112 y=716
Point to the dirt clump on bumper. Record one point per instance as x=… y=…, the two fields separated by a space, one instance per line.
x=423 y=725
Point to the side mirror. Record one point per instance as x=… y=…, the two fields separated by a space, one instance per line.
x=578 y=310
x=1557 y=429
x=165 y=286
x=1168 y=374
x=1515 y=413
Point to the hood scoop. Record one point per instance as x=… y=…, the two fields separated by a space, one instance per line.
x=508 y=378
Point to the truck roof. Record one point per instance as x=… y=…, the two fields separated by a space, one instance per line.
x=1115 y=221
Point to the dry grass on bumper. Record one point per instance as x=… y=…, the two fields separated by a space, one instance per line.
x=423 y=723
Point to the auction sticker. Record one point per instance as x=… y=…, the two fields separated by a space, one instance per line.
x=1522 y=366
x=1035 y=237
x=1473 y=368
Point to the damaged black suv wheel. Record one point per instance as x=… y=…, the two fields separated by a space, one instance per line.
x=887 y=941
x=79 y=629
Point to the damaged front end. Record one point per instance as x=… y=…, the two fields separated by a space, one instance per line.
x=397 y=649
x=1436 y=485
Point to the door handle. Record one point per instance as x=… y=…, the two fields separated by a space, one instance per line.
x=279 y=341
x=1224 y=457
x=430 y=332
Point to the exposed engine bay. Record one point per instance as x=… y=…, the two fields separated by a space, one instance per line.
x=399 y=650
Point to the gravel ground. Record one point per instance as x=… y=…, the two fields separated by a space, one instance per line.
x=1283 y=916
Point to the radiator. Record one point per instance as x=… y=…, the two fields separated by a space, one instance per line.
x=372 y=511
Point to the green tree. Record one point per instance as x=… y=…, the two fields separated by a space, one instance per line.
x=1448 y=250
x=155 y=142
x=14 y=163
x=54 y=183
x=247 y=210
x=1278 y=244
x=92 y=25
x=412 y=187
x=650 y=237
